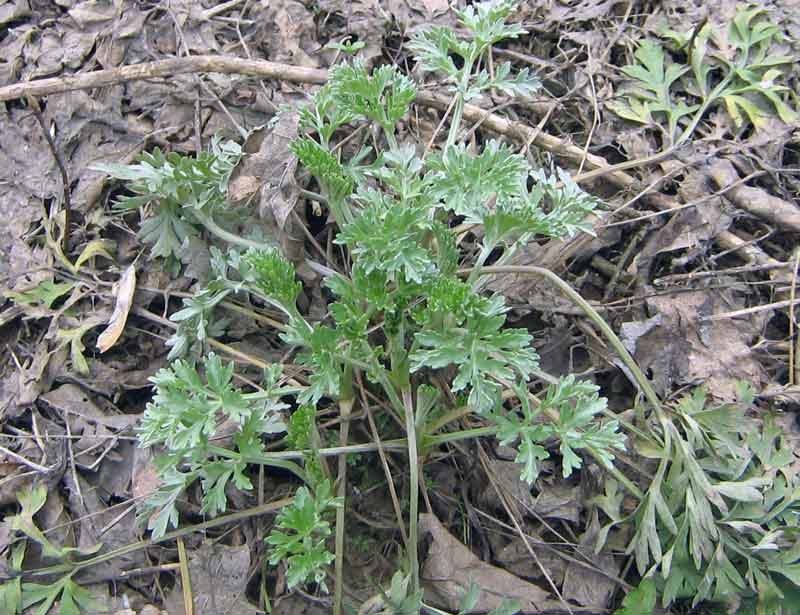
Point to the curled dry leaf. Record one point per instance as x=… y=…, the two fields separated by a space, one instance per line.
x=683 y=350
x=123 y=292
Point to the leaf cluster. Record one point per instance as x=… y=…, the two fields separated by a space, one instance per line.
x=17 y=596
x=721 y=523
x=189 y=412
x=180 y=190
x=485 y=22
x=734 y=70
x=566 y=414
x=300 y=533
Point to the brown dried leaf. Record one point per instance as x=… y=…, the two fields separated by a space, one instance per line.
x=279 y=191
x=123 y=292
x=505 y=476
x=683 y=350
x=451 y=566
x=585 y=586
x=219 y=576
x=516 y=558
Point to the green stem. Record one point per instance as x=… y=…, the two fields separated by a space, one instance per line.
x=345 y=408
x=258 y=395
x=414 y=469
x=592 y=314
x=232 y=238
x=614 y=471
x=262 y=459
x=709 y=100
x=390 y=138
x=486 y=250
x=466 y=434
x=448 y=417
x=455 y=122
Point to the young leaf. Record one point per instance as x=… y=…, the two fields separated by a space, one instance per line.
x=73 y=598
x=466 y=183
x=175 y=186
x=577 y=404
x=74 y=336
x=383 y=97
x=273 y=277
x=46 y=294
x=487 y=22
x=641 y=601
x=481 y=349
x=389 y=237
x=299 y=535
x=325 y=167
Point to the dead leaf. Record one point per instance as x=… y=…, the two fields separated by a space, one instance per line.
x=123 y=292
x=11 y=11
x=219 y=576
x=558 y=501
x=116 y=470
x=516 y=558
x=287 y=33
x=279 y=191
x=54 y=516
x=146 y=479
x=571 y=11
x=37 y=375
x=99 y=524
x=69 y=398
x=505 y=475
x=585 y=586
x=91 y=13
x=689 y=229
x=451 y=566
x=681 y=350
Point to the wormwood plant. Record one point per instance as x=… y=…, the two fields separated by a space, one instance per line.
x=409 y=309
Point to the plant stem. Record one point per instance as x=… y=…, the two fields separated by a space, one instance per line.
x=486 y=250
x=390 y=138
x=263 y=460
x=466 y=434
x=232 y=238
x=592 y=314
x=614 y=471
x=455 y=123
x=413 y=468
x=345 y=407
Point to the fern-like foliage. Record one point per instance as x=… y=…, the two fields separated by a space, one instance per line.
x=572 y=407
x=187 y=413
x=181 y=190
x=299 y=536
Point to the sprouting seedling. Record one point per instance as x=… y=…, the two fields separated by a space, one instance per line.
x=347 y=46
